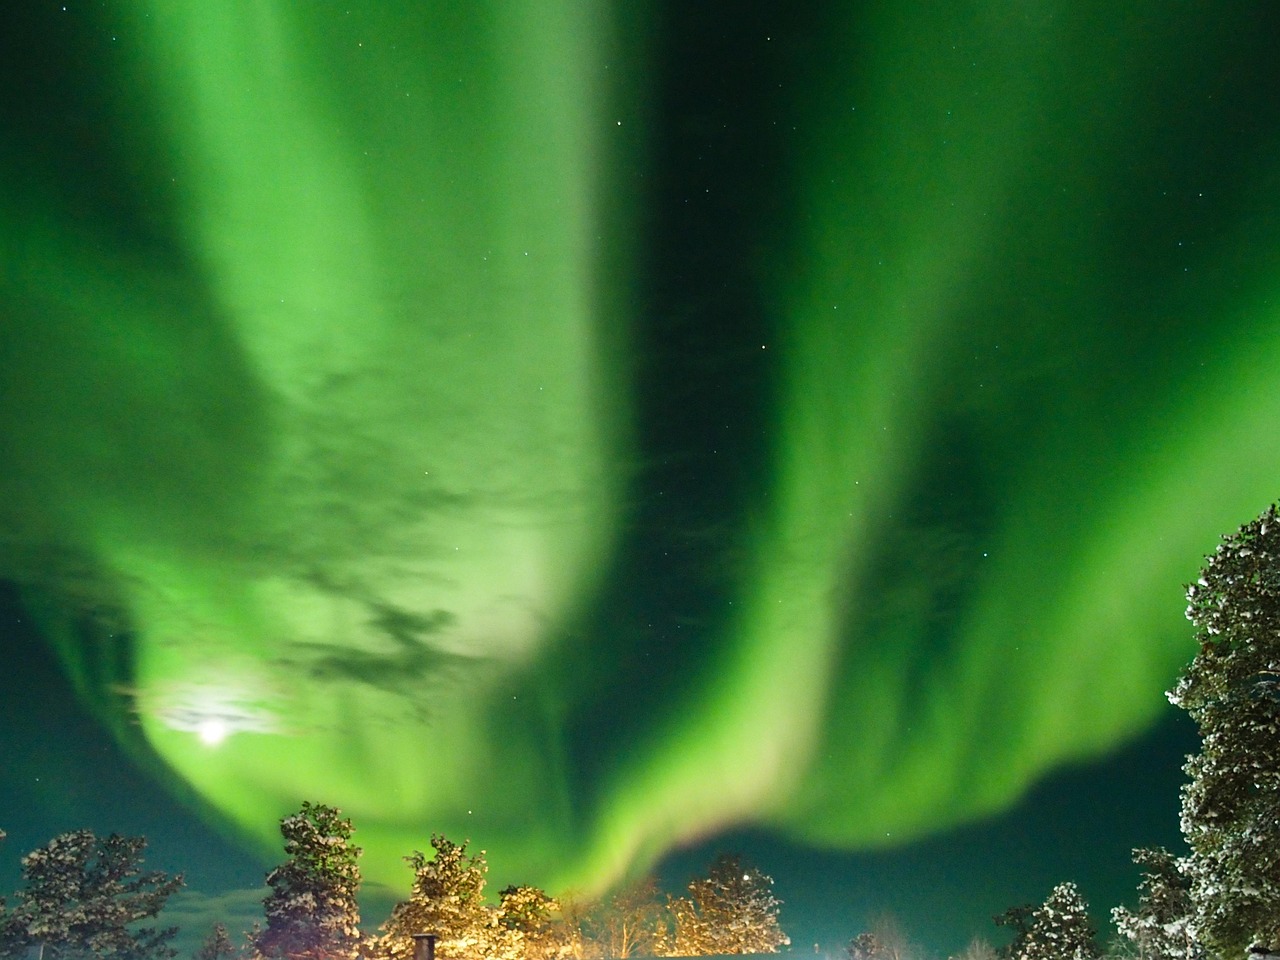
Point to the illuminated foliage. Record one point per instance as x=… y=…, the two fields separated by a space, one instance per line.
x=731 y=910
x=447 y=899
x=83 y=896
x=535 y=924
x=1231 y=806
x=1058 y=929
x=311 y=911
x=1162 y=926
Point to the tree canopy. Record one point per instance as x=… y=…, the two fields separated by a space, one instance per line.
x=447 y=899
x=88 y=896
x=1231 y=806
x=311 y=911
x=1058 y=929
x=1162 y=928
x=731 y=910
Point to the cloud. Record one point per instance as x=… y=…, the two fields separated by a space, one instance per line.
x=195 y=913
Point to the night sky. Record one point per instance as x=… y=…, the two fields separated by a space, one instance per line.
x=616 y=433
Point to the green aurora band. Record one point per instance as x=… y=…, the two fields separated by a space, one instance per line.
x=320 y=390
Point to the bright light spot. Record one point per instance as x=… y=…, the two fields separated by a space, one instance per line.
x=213 y=709
x=212 y=731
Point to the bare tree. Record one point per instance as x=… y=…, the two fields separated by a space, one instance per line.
x=631 y=922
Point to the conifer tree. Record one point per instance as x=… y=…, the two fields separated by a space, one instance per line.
x=86 y=896
x=1162 y=926
x=1231 y=806
x=447 y=899
x=217 y=945
x=1059 y=929
x=311 y=911
x=732 y=910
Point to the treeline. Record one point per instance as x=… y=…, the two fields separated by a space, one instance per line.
x=311 y=911
x=88 y=897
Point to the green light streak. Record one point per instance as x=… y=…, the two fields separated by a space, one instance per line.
x=398 y=236
x=350 y=460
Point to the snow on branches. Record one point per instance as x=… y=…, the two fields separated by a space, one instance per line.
x=1231 y=806
x=311 y=911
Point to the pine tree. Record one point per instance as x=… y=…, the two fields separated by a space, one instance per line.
x=1231 y=806
x=1162 y=927
x=311 y=911
x=83 y=895
x=732 y=910
x=447 y=899
x=1059 y=929
x=217 y=945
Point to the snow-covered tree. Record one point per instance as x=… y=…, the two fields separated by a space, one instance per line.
x=311 y=911
x=217 y=945
x=88 y=896
x=1231 y=806
x=532 y=923
x=732 y=910
x=1162 y=926
x=447 y=899
x=1058 y=929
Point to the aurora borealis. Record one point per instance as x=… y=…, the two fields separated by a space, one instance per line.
x=587 y=428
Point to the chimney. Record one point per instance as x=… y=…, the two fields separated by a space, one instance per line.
x=424 y=946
